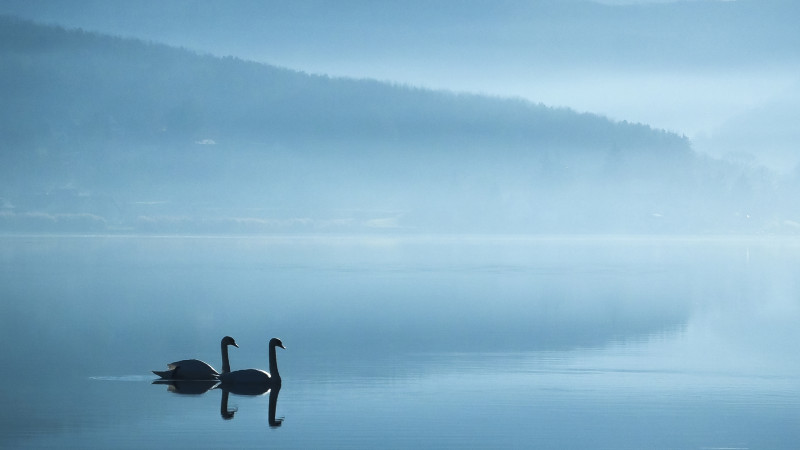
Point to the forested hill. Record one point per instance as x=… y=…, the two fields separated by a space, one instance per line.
x=110 y=134
x=82 y=85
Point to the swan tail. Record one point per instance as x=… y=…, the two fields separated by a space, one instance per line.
x=167 y=374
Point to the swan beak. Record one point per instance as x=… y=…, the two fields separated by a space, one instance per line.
x=234 y=344
x=283 y=346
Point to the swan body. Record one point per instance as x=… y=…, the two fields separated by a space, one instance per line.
x=194 y=369
x=252 y=388
x=256 y=376
x=247 y=376
x=188 y=369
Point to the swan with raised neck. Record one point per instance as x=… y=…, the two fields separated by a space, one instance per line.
x=194 y=369
x=226 y=341
x=272 y=377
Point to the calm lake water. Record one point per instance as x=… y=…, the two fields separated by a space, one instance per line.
x=404 y=342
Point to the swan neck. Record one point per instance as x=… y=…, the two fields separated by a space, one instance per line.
x=273 y=363
x=226 y=365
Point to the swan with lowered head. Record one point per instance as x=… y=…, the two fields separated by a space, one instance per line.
x=256 y=376
x=194 y=369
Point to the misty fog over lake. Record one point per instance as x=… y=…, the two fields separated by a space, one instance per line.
x=547 y=224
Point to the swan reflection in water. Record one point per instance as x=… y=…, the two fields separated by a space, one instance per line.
x=227 y=413
x=186 y=387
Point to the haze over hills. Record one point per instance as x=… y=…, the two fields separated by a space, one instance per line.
x=762 y=135
x=690 y=66
x=105 y=134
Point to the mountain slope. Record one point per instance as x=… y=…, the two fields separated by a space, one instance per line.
x=117 y=134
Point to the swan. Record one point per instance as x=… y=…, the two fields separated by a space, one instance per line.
x=256 y=376
x=194 y=369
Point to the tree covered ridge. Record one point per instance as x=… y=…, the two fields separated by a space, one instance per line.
x=116 y=133
x=84 y=84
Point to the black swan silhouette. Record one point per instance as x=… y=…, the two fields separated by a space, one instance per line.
x=256 y=376
x=194 y=369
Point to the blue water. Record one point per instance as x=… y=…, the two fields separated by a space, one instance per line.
x=397 y=342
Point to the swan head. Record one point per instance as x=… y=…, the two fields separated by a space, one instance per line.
x=275 y=342
x=227 y=340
